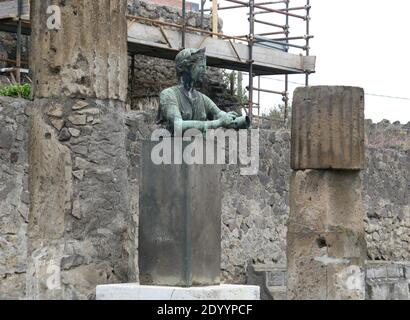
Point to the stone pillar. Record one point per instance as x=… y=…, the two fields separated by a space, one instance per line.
x=87 y=57
x=326 y=246
x=79 y=223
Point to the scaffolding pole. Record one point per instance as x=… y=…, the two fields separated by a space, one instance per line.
x=259 y=96
x=286 y=96
x=202 y=13
x=307 y=36
x=18 y=51
x=132 y=79
x=183 y=23
x=266 y=9
x=251 y=39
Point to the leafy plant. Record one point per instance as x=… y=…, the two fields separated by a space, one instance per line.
x=16 y=90
x=279 y=113
x=233 y=81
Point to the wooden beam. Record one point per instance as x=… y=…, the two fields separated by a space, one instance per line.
x=9 y=9
x=147 y=39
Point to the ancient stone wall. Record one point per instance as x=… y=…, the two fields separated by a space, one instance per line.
x=169 y=14
x=387 y=191
x=79 y=230
x=14 y=197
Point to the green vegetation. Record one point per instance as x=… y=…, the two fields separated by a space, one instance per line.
x=279 y=113
x=233 y=81
x=16 y=90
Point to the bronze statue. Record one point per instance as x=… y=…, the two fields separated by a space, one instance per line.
x=182 y=107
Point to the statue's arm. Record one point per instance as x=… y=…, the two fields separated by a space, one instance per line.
x=212 y=108
x=231 y=119
x=172 y=116
x=203 y=126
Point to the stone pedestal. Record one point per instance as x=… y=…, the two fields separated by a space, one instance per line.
x=180 y=223
x=326 y=246
x=138 y=292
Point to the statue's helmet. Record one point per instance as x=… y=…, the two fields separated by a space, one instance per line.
x=186 y=58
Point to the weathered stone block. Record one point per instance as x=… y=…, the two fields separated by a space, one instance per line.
x=407 y=272
x=270 y=279
x=328 y=128
x=12 y=286
x=14 y=197
x=326 y=201
x=180 y=223
x=386 y=280
x=379 y=272
x=387 y=290
x=346 y=281
x=395 y=271
x=326 y=247
x=87 y=56
x=278 y=293
x=306 y=276
x=316 y=273
x=6 y=139
x=276 y=278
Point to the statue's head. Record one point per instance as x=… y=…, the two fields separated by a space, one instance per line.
x=191 y=64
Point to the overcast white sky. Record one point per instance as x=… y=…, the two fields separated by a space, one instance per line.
x=357 y=42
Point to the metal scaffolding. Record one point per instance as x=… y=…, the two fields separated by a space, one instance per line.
x=272 y=11
x=279 y=38
x=16 y=18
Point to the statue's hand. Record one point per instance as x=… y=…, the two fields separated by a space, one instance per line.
x=227 y=119
x=233 y=114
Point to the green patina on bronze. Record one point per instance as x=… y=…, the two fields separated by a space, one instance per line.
x=182 y=107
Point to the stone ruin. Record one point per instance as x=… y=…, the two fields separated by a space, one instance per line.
x=70 y=159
